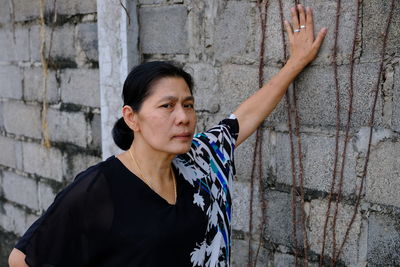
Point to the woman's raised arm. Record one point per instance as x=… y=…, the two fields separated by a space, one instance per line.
x=303 y=49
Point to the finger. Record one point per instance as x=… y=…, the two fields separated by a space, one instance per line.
x=289 y=30
x=295 y=18
x=310 y=23
x=302 y=15
x=320 y=37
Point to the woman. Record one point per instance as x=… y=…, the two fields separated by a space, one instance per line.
x=166 y=200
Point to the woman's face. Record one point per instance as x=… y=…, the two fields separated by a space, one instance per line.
x=167 y=119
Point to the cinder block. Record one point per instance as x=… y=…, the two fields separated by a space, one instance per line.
x=382 y=181
x=80 y=86
x=5 y=14
x=87 y=40
x=316 y=95
x=76 y=163
x=21 y=190
x=1 y=116
x=316 y=224
x=10 y=155
x=205 y=85
x=95 y=132
x=163 y=29
x=318 y=158
x=76 y=7
x=33 y=85
x=283 y=260
x=237 y=83
x=22 y=119
x=46 y=196
x=324 y=13
x=383 y=240
x=279 y=220
x=11 y=82
x=12 y=219
x=235 y=32
x=14 y=49
x=241 y=206
x=46 y=162
x=374 y=21
x=62 y=42
x=240 y=252
x=396 y=100
x=70 y=127
x=26 y=10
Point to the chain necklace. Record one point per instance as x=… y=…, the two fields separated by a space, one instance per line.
x=147 y=181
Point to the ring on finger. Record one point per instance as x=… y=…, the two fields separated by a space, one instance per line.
x=297 y=30
x=302 y=26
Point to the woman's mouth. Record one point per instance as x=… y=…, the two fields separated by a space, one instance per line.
x=183 y=136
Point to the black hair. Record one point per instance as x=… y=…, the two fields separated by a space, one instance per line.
x=137 y=87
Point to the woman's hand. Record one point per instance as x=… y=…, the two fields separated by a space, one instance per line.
x=303 y=46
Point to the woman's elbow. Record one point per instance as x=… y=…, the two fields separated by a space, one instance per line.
x=17 y=259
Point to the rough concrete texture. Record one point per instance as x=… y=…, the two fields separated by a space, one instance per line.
x=316 y=95
x=383 y=240
x=11 y=155
x=80 y=86
x=33 y=86
x=240 y=253
x=382 y=181
x=29 y=126
x=20 y=189
x=87 y=40
x=318 y=210
x=235 y=31
x=14 y=49
x=163 y=29
x=278 y=229
x=62 y=42
x=70 y=127
x=396 y=100
x=46 y=196
x=318 y=163
x=374 y=21
x=45 y=162
x=75 y=163
x=11 y=82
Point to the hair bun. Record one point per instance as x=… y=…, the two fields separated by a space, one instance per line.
x=122 y=134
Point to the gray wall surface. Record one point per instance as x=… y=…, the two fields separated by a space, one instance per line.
x=218 y=42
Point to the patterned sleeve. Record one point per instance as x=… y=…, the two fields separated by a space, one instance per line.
x=216 y=146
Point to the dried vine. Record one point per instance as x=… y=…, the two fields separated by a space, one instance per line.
x=346 y=139
x=294 y=192
x=257 y=153
x=370 y=124
x=301 y=170
x=45 y=73
x=335 y=69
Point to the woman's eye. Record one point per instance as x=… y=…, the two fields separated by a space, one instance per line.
x=189 y=106
x=166 y=106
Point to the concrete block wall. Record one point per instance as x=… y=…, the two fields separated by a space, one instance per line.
x=30 y=173
x=218 y=42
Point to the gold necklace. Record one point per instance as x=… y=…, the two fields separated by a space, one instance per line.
x=147 y=181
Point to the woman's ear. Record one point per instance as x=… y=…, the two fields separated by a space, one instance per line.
x=130 y=117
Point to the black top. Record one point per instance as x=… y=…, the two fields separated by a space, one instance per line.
x=109 y=217
x=113 y=218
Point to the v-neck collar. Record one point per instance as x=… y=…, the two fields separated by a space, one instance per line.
x=148 y=187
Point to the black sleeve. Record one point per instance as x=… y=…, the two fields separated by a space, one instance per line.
x=65 y=234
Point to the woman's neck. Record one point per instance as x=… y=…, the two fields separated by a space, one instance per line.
x=153 y=164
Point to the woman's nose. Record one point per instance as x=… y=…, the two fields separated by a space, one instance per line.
x=182 y=116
